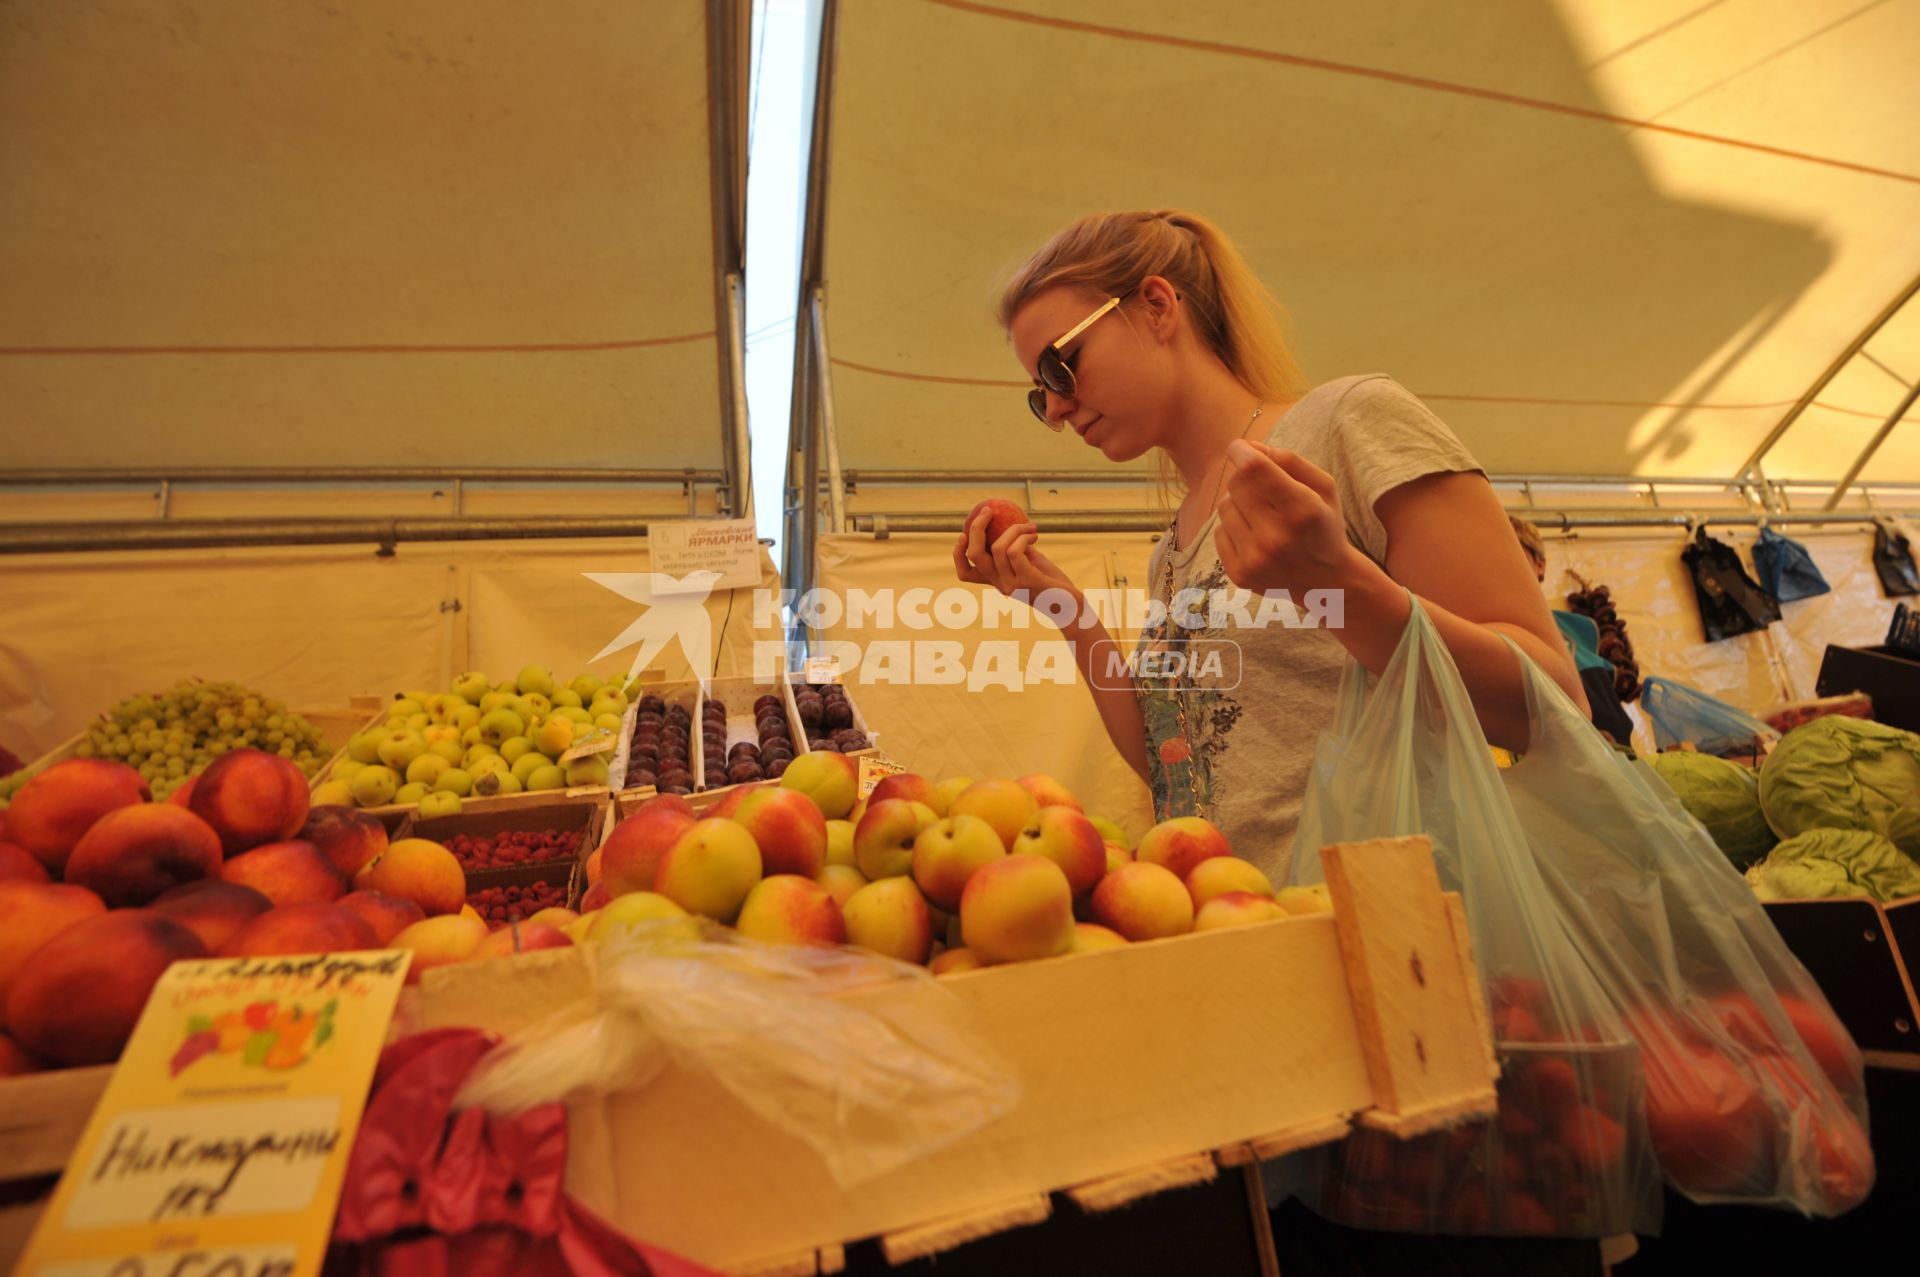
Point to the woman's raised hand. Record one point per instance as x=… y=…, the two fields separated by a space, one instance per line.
x=1011 y=564
x=1280 y=526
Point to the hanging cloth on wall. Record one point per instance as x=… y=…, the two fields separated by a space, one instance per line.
x=1893 y=560
x=1785 y=569
x=1731 y=602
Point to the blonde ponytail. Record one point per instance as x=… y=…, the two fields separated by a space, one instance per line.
x=1110 y=253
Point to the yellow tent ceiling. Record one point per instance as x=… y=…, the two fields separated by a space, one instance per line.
x=1598 y=236
x=472 y=232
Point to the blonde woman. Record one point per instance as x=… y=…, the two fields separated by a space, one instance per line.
x=1146 y=332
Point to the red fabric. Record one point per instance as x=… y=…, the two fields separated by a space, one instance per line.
x=434 y=1193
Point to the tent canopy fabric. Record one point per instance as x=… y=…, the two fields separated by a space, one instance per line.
x=366 y=234
x=1598 y=238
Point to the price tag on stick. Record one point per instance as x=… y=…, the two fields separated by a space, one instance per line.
x=221 y=1142
x=874 y=769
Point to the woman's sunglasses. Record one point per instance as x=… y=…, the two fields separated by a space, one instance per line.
x=1052 y=372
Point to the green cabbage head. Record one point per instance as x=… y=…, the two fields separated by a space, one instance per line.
x=1723 y=796
x=1835 y=862
x=1845 y=773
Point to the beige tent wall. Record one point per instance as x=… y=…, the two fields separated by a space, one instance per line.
x=452 y=231
x=315 y=626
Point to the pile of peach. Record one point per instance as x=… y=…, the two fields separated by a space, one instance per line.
x=102 y=888
x=958 y=874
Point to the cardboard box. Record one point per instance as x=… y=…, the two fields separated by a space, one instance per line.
x=1201 y=1050
x=589 y=813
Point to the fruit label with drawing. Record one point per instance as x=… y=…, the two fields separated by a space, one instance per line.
x=874 y=769
x=228 y=1122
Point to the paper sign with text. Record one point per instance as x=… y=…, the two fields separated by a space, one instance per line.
x=599 y=741
x=821 y=669
x=221 y=1141
x=729 y=547
x=874 y=769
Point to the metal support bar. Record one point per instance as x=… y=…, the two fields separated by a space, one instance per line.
x=823 y=374
x=1550 y=520
x=739 y=502
x=1879 y=321
x=210 y=534
x=1873 y=446
x=347 y=474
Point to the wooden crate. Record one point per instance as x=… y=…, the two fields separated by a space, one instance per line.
x=335 y=725
x=1143 y=1067
x=590 y=813
x=794 y=683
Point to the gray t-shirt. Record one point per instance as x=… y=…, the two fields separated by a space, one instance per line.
x=1231 y=737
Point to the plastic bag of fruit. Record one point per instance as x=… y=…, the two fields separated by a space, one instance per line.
x=1755 y=1093
x=1568 y=1153
x=1683 y=714
x=868 y=1088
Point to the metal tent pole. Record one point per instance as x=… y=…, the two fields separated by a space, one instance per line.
x=728 y=45
x=1873 y=446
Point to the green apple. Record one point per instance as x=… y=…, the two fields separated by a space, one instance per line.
x=583 y=687
x=438 y=732
x=443 y=707
x=374 y=785
x=477 y=752
x=538 y=706
x=426 y=769
x=451 y=750
x=455 y=781
x=364 y=747
x=608 y=722
x=527 y=764
x=412 y=792
x=405 y=707
x=568 y=698
x=400 y=746
x=1111 y=832
x=535 y=678
x=493 y=701
x=471 y=686
x=589 y=770
x=332 y=793
x=553 y=736
x=419 y=722
x=345 y=768
x=494 y=783
x=500 y=725
x=635 y=688
x=573 y=715
x=608 y=701
x=514 y=746
x=491 y=765
x=464 y=717
x=419 y=697
x=470 y=736
x=548 y=777
x=439 y=803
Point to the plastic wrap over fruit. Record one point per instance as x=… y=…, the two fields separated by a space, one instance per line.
x=868 y=1086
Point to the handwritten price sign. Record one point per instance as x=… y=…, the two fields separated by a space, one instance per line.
x=221 y=1142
